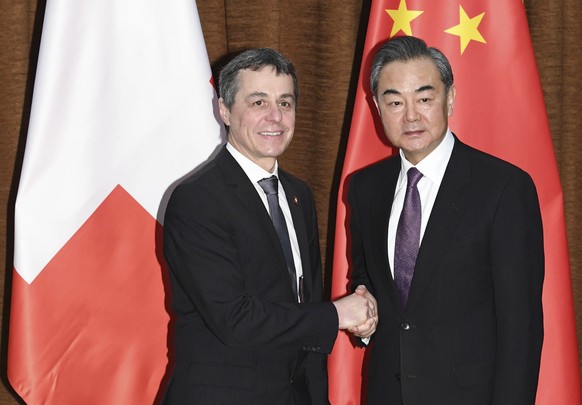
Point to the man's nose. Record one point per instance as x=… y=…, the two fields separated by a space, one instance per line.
x=274 y=114
x=411 y=114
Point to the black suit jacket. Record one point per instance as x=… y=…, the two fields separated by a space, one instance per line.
x=240 y=336
x=472 y=330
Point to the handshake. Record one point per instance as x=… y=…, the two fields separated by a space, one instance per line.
x=358 y=312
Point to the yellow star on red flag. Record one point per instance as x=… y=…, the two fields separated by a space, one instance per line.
x=402 y=18
x=467 y=29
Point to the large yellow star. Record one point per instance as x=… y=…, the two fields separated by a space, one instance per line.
x=402 y=18
x=467 y=29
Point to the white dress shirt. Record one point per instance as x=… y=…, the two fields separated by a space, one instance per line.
x=255 y=173
x=433 y=169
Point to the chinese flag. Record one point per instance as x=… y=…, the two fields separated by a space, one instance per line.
x=499 y=109
x=123 y=106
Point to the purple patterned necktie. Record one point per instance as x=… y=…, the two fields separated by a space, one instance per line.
x=271 y=187
x=407 y=237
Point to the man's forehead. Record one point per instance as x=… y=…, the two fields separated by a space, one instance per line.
x=419 y=74
x=264 y=81
x=424 y=64
x=264 y=70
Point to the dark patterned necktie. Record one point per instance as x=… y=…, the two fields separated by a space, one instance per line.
x=271 y=187
x=407 y=237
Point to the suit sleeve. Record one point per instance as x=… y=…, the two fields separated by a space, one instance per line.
x=359 y=275
x=212 y=259
x=358 y=272
x=517 y=260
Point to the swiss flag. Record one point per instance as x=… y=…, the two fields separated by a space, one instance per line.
x=499 y=109
x=123 y=107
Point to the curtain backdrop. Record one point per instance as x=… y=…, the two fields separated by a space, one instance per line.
x=324 y=40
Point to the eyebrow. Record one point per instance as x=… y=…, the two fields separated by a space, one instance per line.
x=263 y=94
x=257 y=94
x=419 y=90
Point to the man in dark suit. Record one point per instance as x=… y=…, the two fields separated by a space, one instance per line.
x=244 y=260
x=449 y=241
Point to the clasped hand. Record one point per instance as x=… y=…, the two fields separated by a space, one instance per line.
x=358 y=312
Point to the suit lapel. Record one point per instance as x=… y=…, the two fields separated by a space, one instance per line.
x=448 y=209
x=298 y=216
x=380 y=208
x=246 y=194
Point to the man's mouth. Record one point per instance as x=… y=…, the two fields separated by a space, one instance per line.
x=271 y=133
x=413 y=132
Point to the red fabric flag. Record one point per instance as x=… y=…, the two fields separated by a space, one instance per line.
x=123 y=106
x=499 y=109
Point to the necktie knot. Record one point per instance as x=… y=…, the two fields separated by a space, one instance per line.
x=414 y=176
x=270 y=185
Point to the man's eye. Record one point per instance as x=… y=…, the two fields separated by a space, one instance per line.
x=285 y=104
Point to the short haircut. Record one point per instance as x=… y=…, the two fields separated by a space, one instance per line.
x=254 y=59
x=405 y=49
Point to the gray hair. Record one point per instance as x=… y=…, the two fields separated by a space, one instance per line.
x=254 y=59
x=405 y=49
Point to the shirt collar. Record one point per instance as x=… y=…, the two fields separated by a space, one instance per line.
x=253 y=171
x=434 y=165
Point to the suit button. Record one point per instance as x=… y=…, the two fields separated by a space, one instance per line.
x=405 y=326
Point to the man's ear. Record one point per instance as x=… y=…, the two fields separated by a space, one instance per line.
x=224 y=112
x=451 y=99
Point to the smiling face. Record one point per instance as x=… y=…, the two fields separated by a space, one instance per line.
x=414 y=106
x=262 y=119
